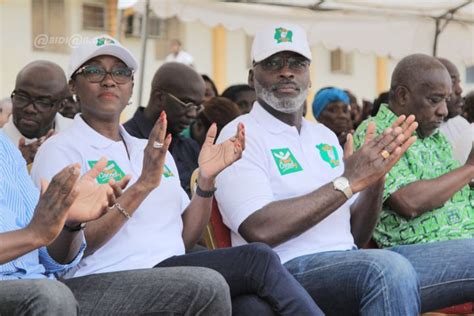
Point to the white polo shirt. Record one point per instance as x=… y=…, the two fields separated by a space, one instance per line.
x=460 y=135
x=154 y=231
x=280 y=163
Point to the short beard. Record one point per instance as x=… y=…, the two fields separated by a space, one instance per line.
x=284 y=105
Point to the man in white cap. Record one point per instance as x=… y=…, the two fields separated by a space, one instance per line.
x=154 y=222
x=296 y=190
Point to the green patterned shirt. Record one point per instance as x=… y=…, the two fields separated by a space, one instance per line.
x=427 y=158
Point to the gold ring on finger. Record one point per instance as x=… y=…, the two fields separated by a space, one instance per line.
x=385 y=154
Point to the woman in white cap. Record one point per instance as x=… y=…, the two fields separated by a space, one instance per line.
x=153 y=223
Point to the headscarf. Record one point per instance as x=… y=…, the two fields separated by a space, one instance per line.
x=325 y=96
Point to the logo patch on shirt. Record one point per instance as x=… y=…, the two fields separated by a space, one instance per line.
x=111 y=171
x=285 y=161
x=329 y=154
x=167 y=172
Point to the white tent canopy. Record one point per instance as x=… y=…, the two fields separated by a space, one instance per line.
x=385 y=27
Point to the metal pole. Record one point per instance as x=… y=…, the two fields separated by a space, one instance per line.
x=143 y=54
x=447 y=17
x=118 y=35
x=437 y=32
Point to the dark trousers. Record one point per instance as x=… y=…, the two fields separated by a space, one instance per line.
x=259 y=284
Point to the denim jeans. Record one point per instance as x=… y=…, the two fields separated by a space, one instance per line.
x=253 y=270
x=403 y=280
x=445 y=270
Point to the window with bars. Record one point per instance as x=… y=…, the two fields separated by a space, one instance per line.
x=93 y=17
x=341 y=62
x=133 y=26
x=48 y=20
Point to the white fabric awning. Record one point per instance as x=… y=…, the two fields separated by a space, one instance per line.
x=385 y=27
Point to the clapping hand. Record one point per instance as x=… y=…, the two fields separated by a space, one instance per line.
x=155 y=154
x=214 y=158
x=379 y=154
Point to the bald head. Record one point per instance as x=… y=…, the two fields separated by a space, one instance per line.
x=421 y=85
x=413 y=70
x=449 y=65
x=455 y=103
x=45 y=82
x=173 y=76
x=175 y=85
x=43 y=73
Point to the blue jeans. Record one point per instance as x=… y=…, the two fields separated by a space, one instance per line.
x=390 y=281
x=445 y=270
x=258 y=283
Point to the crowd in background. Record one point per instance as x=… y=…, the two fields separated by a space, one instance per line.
x=148 y=220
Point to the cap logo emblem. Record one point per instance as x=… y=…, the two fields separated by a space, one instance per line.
x=104 y=40
x=283 y=35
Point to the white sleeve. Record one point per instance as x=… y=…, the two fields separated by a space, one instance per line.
x=50 y=159
x=244 y=187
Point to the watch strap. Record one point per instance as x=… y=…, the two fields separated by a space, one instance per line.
x=73 y=229
x=204 y=194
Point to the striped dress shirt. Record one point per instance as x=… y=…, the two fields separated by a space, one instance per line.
x=18 y=199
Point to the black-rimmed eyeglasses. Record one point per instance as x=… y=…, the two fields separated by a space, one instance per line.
x=188 y=106
x=42 y=104
x=96 y=74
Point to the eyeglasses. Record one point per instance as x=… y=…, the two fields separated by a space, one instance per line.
x=96 y=74
x=42 y=104
x=297 y=64
x=187 y=106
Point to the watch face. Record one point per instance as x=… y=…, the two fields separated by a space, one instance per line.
x=341 y=183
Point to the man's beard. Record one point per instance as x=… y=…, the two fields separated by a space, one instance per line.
x=286 y=104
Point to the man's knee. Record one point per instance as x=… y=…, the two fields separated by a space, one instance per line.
x=49 y=297
x=214 y=281
x=212 y=289
x=260 y=249
x=392 y=269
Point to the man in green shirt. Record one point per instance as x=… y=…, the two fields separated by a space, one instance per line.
x=426 y=196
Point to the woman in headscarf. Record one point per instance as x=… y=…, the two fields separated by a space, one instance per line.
x=331 y=107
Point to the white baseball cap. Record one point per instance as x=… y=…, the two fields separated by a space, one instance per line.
x=278 y=38
x=100 y=45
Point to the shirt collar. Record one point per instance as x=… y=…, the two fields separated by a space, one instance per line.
x=270 y=122
x=96 y=139
x=386 y=117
